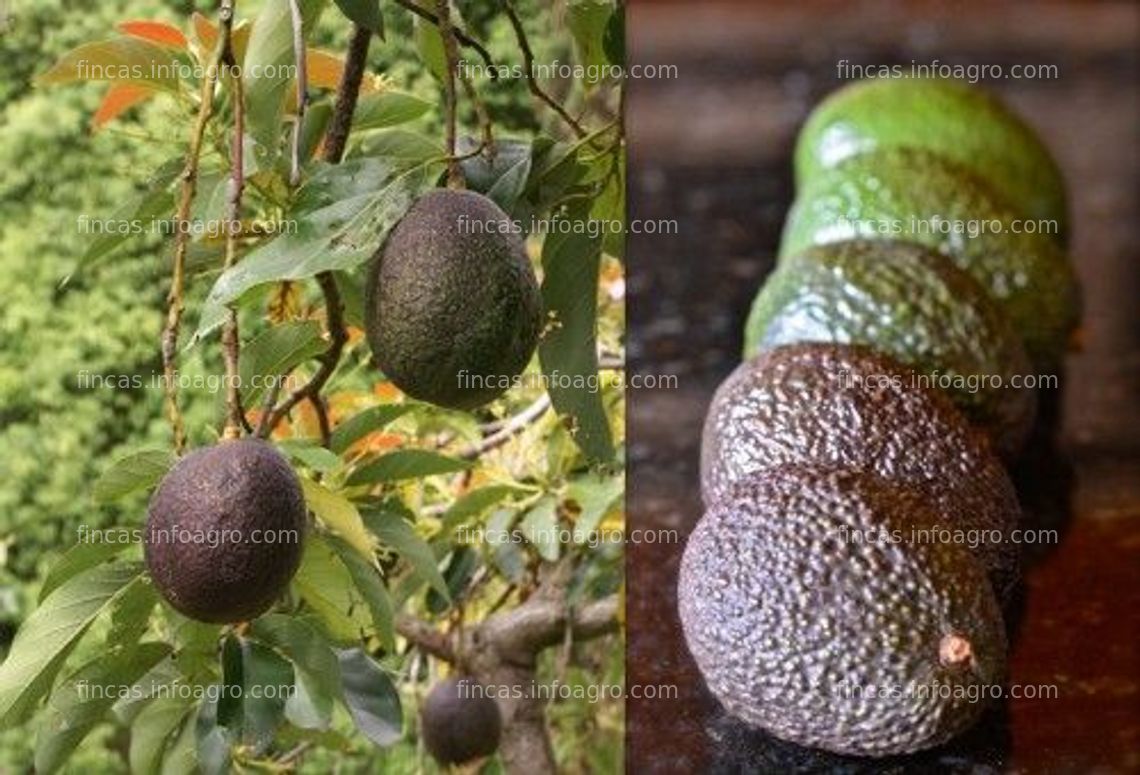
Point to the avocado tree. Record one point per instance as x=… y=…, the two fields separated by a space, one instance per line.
x=439 y=540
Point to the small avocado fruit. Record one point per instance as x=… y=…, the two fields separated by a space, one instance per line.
x=812 y=614
x=965 y=124
x=452 y=307
x=912 y=304
x=916 y=196
x=225 y=531
x=459 y=722
x=849 y=406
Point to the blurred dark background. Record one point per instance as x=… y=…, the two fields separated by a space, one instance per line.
x=711 y=149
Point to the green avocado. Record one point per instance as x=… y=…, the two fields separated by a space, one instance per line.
x=452 y=307
x=912 y=304
x=916 y=196
x=460 y=722
x=851 y=407
x=224 y=531
x=950 y=118
x=815 y=610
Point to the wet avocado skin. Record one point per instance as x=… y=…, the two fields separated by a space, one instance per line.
x=965 y=124
x=916 y=196
x=787 y=616
x=227 y=491
x=912 y=304
x=452 y=307
x=798 y=405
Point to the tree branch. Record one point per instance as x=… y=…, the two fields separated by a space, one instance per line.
x=509 y=428
x=175 y=302
x=528 y=65
x=460 y=35
x=451 y=59
x=231 y=343
x=347 y=93
x=540 y=623
x=302 y=90
x=425 y=637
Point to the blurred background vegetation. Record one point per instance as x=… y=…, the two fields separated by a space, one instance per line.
x=56 y=435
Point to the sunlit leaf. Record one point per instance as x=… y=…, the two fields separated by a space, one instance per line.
x=118 y=100
x=339 y=514
x=124 y=59
x=156 y=32
x=136 y=471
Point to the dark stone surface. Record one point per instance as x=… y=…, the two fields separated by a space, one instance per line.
x=712 y=150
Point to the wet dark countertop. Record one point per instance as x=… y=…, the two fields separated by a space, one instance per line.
x=712 y=150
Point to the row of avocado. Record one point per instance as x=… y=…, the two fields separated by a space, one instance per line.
x=844 y=588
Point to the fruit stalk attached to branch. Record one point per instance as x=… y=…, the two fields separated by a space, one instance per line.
x=175 y=302
x=235 y=417
x=451 y=57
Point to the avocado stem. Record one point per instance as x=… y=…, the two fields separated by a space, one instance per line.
x=955 y=651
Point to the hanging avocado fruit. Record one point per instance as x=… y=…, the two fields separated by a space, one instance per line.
x=808 y=620
x=452 y=307
x=224 y=531
x=459 y=722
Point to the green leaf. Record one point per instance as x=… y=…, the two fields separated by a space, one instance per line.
x=340 y=515
x=365 y=422
x=130 y=614
x=429 y=45
x=324 y=583
x=503 y=178
x=470 y=506
x=540 y=526
x=588 y=20
x=613 y=39
x=86 y=695
x=152 y=731
x=506 y=553
x=274 y=352
x=211 y=740
x=394 y=531
x=568 y=352
x=268 y=68
x=136 y=471
x=366 y=13
x=339 y=236
x=406 y=464
x=120 y=60
x=388 y=109
x=310 y=454
x=595 y=495
x=50 y=632
x=267 y=682
x=460 y=569
x=76 y=560
x=371 y=698
x=400 y=145
x=371 y=587
x=315 y=668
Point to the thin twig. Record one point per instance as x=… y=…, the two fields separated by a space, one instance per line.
x=460 y=35
x=509 y=429
x=267 y=404
x=235 y=417
x=302 y=89
x=484 y=117
x=175 y=301
x=528 y=66
x=426 y=637
x=347 y=93
x=451 y=59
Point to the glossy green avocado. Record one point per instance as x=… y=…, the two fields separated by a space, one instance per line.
x=963 y=123
x=916 y=196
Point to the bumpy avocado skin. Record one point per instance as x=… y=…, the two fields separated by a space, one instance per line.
x=950 y=118
x=912 y=304
x=848 y=406
x=458 y=723
x=221 y=495
x=795 y=622
x=901 y=194
x=452 y=307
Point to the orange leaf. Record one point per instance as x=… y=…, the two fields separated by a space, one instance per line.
x=324 y=69
x=155 y=32
x=118 y=100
